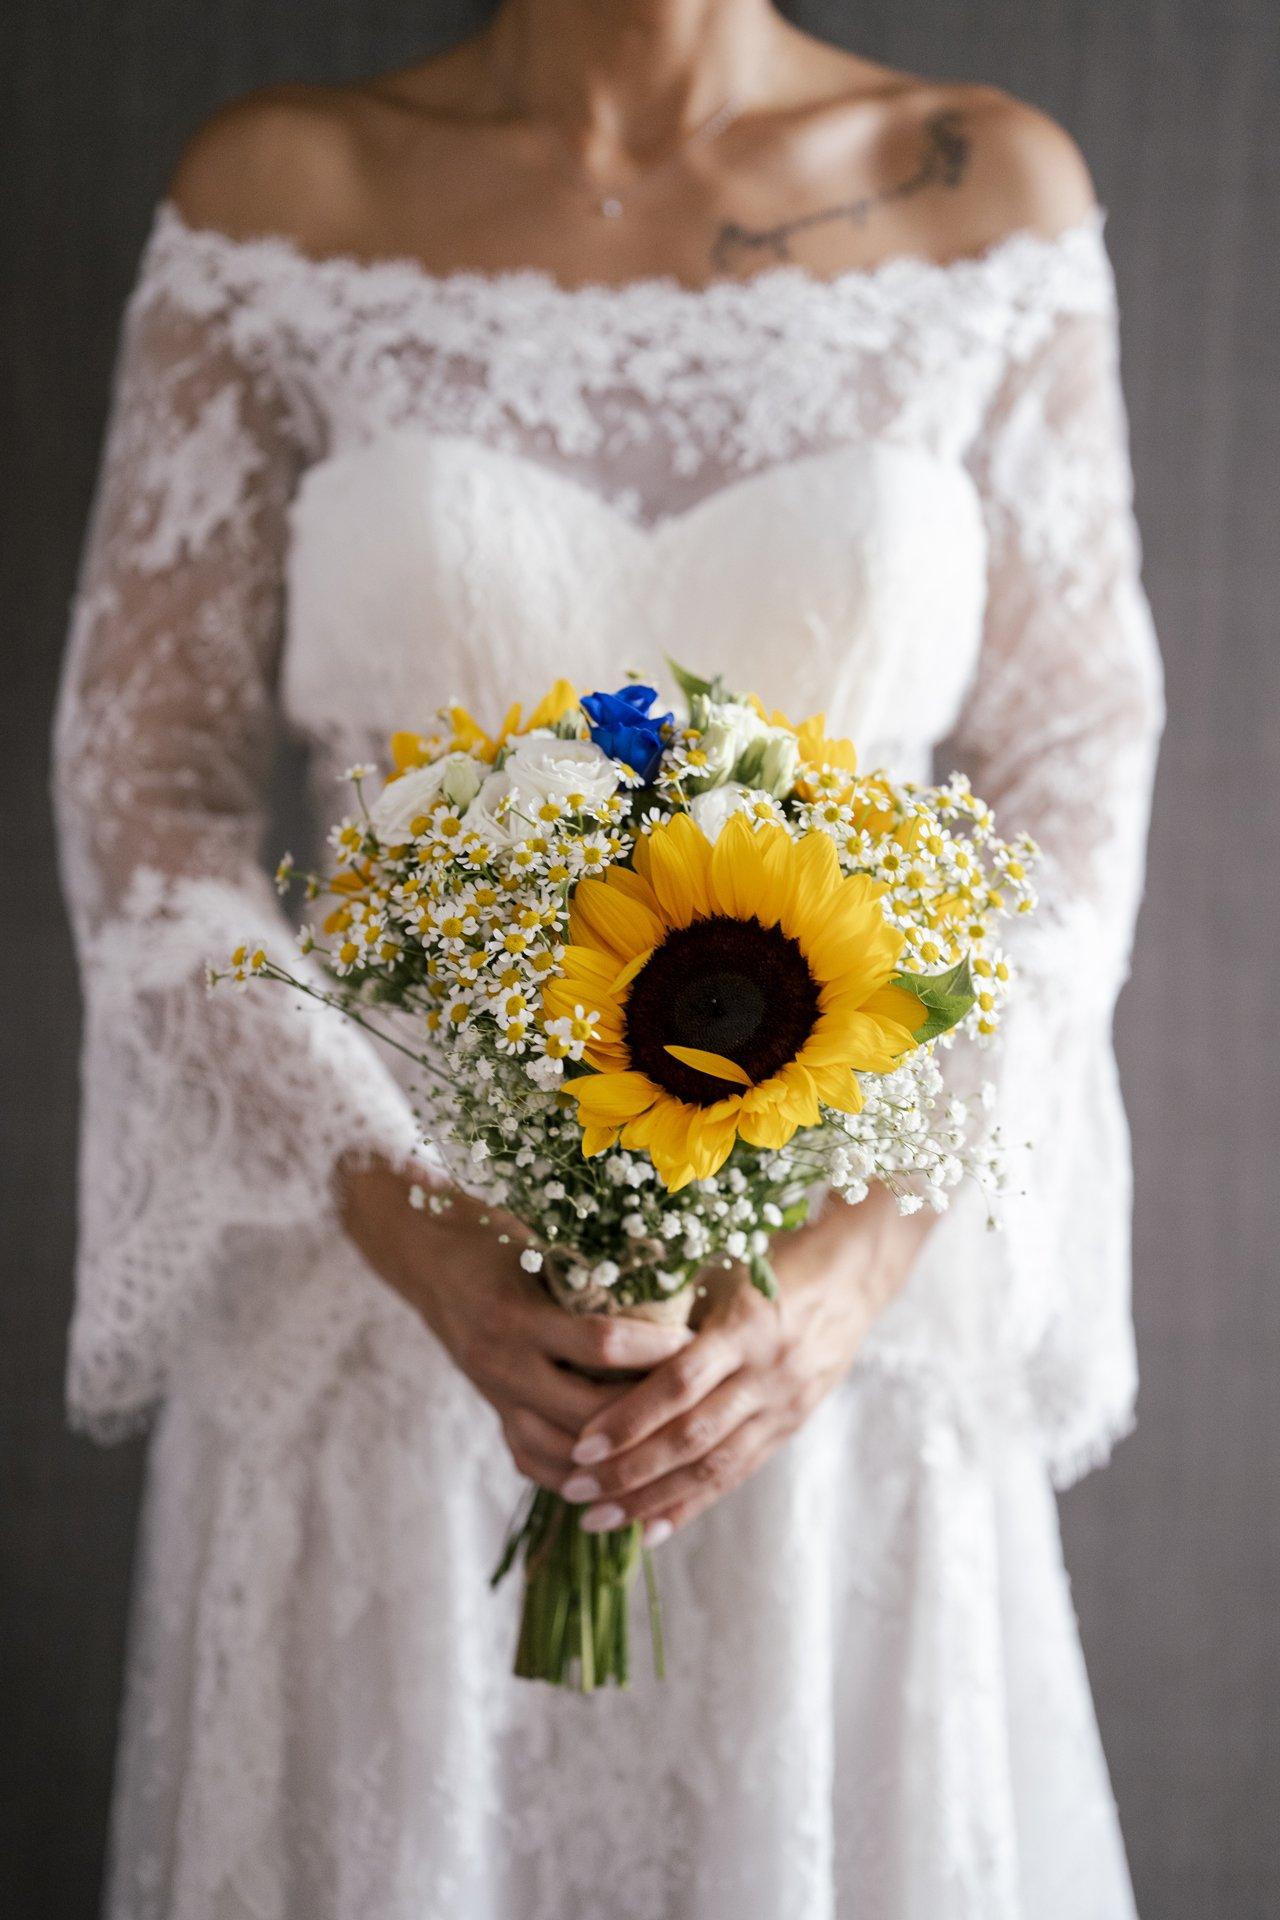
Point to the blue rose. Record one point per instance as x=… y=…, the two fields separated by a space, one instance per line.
x=623 y=727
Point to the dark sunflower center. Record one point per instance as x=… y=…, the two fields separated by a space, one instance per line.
x=726 y=986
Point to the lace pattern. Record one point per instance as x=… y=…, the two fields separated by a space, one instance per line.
x=732 y=377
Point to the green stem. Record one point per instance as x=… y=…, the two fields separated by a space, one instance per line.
x=574 y=1624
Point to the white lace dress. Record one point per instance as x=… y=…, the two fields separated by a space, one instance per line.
x=338 y=493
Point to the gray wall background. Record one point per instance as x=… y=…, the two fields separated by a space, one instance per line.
x=1174 y=1551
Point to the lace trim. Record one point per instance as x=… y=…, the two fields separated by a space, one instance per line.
x=1065 y=273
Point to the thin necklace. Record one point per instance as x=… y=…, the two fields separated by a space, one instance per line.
x=612 y=205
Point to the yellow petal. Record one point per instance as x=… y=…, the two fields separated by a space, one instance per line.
x=634 y=885
x=877 y=1046
x=612 y=1097
x=749 y=869
x=815 y=876
x=802 y=1094
x=718 y=1065
x=407 y=750
x=553 y=706
x=588 y=963
x=675 y=859
x=635 y=965
x=663 y=1133
x=899 y=1006
x=837 y=1086
x=601 y=915
x=711 y=1138
x=856 y=954
x=770 y=1125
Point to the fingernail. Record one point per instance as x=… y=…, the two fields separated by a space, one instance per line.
x=657 y=1531
x=587 y=1452
x=581 y=1487
x=601 y=1519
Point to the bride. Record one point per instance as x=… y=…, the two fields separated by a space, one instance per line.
x=617 y=329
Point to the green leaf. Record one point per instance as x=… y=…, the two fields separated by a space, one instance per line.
x=947 y=997
x=691 y=685
x=796 y=1214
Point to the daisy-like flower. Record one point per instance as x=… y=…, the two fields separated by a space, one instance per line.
x=739 y=988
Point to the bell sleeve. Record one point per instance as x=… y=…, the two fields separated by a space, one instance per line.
x=211 y=1122
x=1059 y=733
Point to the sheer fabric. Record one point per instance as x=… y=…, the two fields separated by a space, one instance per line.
x=467 y=485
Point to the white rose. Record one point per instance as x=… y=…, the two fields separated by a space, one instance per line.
x=455 y=778
x=483 y=815
x=544 y=767
x=711 y=810
x=729 y=730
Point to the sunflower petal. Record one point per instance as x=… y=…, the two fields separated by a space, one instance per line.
x=769 y=1125
x=675 y=859
x=895 y=1004
x=712 y=1134
x=633 y=884
x=610 y=1098
x=589 y=965
x=597 y=1140
x=603 y=915
x=663 y=1133
x=802 y=1100
x=750 y=866
x=718 y=1065
x=623 y=979
x=837 y=1086
x=877 y=1046
x=815 y=876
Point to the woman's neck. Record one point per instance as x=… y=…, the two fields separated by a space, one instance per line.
x=632 y=75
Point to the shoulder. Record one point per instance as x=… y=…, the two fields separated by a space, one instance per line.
x=282 y=160
x=1031 y=172
x=1007 y=167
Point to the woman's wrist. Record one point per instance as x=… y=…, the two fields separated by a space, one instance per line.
x=374 y=1205
x=873 y=1241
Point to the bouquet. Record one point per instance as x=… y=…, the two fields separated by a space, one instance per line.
x=664 y=979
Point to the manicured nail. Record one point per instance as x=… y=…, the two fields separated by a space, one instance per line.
x=582 y=1487
x=587 y=1452
x=657 y=1531
x=601 y=1519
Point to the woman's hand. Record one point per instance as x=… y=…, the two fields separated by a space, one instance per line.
x=702 y=1422
x=495 y=1321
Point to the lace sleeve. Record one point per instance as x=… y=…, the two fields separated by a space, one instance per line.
x=204 y=1116
x=1059 y=733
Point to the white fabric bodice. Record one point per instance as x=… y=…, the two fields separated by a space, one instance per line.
x=426 y=567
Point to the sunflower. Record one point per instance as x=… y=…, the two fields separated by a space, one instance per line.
x=737 y=988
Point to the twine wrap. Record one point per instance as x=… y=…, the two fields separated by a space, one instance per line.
x=666 y=1309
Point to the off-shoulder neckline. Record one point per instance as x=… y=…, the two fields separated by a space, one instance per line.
x=284 y=251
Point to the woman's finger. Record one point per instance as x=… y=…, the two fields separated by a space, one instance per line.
x=539 y=1449
x=671 y=1389
x=565 y=1399
x=689 y=1437
x=678 y=1496
x=607 y=1342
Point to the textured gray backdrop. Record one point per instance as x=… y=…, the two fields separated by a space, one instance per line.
x=1175 y=1550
